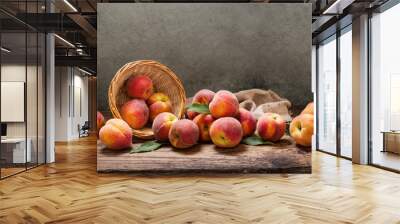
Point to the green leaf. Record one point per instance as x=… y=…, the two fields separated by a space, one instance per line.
x=255 y=140
x=146 y=147
x=199 y=108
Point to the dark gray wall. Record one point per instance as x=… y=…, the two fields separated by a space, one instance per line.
x=216 y=46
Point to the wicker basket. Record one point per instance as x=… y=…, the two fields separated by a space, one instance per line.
x=164 y=80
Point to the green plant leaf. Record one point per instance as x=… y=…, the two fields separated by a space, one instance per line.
x=146 y=147
x=255 y=140
x=199 y=108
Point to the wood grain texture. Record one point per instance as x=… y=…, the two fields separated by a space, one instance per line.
x=284 y=157
x=71 y=191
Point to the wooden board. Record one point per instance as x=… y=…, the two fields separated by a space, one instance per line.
x=284 y=157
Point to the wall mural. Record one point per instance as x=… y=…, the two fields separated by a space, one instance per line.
x=204 y=88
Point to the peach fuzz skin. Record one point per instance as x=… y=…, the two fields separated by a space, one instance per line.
x=271 y=127
x=226 y=132
x=140 y=87
x=204 y=121
x=159 y=107
x=248 y=122
x=116 y=134
x=162 y=124
x=224 y=104
x=158 y=97
x=302 y=129
x=183 y=134
x=136 y=113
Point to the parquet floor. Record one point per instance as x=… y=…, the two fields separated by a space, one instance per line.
x=70 y=191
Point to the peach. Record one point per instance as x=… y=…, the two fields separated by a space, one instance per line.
x=162 y=124
x=183 y=134
x=140 y=87
x=100 y=120
x=271 y=127
x=191 y=114
x=116 y=134
x=204 y=121
x=224 y=104
x=226 y=132
x=203 y=96
x=136 y=113
x=158 y=97
x=309 y=109
x=302 y=129
x=159 y=107
x=248 y=122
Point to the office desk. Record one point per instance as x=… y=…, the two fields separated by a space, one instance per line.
x=13 y=150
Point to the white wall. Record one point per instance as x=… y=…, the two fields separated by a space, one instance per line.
x=70 y=83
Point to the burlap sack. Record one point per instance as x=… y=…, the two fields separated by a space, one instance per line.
x=260 y=101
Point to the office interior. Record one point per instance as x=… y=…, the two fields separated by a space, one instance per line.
x=48 y=118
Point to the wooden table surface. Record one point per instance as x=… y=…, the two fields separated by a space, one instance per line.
x=284 y=157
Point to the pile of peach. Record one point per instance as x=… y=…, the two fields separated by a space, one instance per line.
x=224 y=124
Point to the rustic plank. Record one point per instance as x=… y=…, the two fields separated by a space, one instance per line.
x=284 y=157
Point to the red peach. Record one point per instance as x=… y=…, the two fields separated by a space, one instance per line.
x=159 y=107
x=100 y=120
x=203 y=96
x=271 y=127
x=136 y=113
x=226 y=132
x=183 y=134
x=116 y=134
x=302 y=129
x=162 y=124
x=204 y=121
x=139 y=86
x=248 y=122
x=224 y=104
x=156 y=97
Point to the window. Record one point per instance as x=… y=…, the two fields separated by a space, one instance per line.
x=385 y=88
x=346 y=92
x=327 y=95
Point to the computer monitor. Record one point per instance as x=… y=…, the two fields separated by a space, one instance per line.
x=3 y=129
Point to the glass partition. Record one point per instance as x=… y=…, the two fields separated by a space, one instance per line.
x=14 y=155
x=22 y=88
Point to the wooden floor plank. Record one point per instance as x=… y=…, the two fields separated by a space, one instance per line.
x=71 y=191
